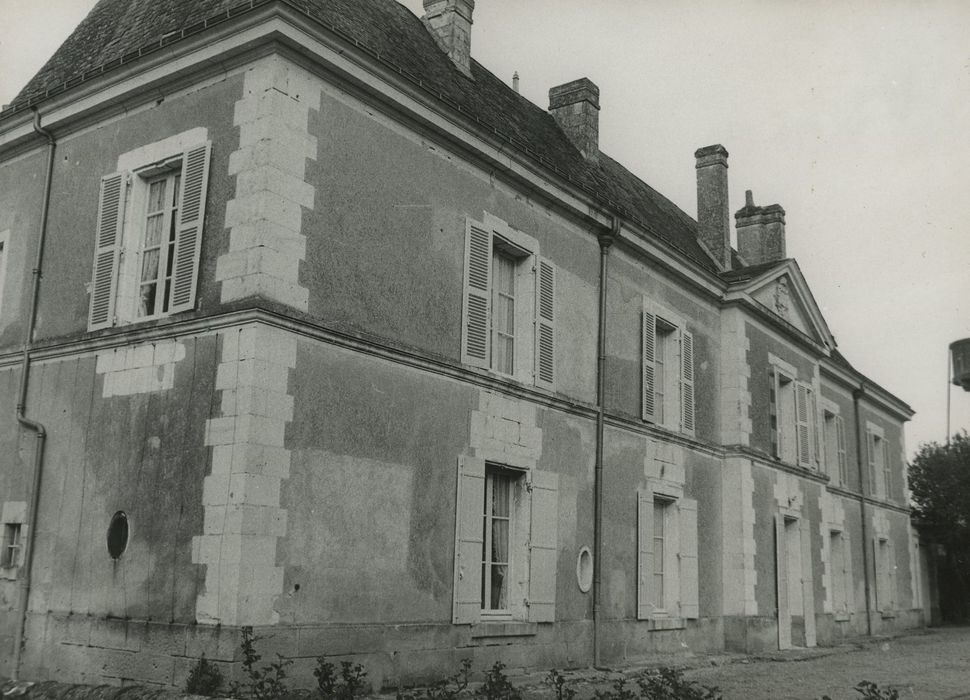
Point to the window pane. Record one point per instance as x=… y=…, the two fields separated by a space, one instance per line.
x=149 y=265
x=146 y=305
x=156 y=196
x=500 y=541
x=500 y=593
x=153 y=230
x=504 y=354
x=500 y=496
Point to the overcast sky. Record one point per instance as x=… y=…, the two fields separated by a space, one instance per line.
x=853 y=115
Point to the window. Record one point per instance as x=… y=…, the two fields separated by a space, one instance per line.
x=880 y=472
x=792 y=419
x=833 y=439
x=885 y=576
x=840 y=567
x=149 y=237
x=509 y=304
x=667 y=557
x=668 y=373
x=10 y=556
x=506 y=539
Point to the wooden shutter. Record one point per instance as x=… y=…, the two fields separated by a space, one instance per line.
x=840 y=448
x=871 y=450
x=477 y=310
x=543 y=544
x=687 y=382
x=887 y=470
x=846 y=565
x=802 y=431
x=645 y=554
x=774 y=425
x=545 y=324
x=649 y=369
x=687 y=512
x=469 y=509
x=891 y=571
x=781 y=581
x=808 y=584
x=107 y=250
x=188 y=242
x=813 y=428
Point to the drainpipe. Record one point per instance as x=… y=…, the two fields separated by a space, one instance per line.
x=860 y=437
x=22 y=418
x=605 y=242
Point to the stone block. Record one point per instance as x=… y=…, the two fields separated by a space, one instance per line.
x=260 y=430
x=114 y=634
x=216 y=489
x=287 y=242
x=264 y=205
x=226 y=375
x=276 y=181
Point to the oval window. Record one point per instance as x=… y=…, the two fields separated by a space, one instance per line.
x=118 y=534
x=584 y=569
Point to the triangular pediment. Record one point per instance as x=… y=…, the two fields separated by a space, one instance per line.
x=782 y=291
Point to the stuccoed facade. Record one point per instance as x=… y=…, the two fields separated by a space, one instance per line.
x=318 y=313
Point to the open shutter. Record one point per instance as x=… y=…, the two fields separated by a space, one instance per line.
x=808 y=584
x=891 y=576
x=543 y=544
x=802 y=424
x=846 y=565
x=645 y=601
x=871 y=451
x=649 y=369
x=774 y=424
x=476 y=314
x=468 y=540
x=840 y=448
x=687 y=382
x=107 y=250
x=545 y=324
x=887 y=470
x=188 y=243
x=781 y=580
x=814 y=422
x=687 y=510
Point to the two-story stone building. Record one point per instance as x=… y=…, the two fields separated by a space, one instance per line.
x=309 y=322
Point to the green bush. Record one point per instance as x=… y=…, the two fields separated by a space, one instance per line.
x=205 y=678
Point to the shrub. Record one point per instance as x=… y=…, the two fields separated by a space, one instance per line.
x=267 y=683
x=205 y=678
x=450 y=688
x=670 y=684
x=556 y=681
x=497 y=686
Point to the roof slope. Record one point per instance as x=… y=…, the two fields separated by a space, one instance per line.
x=118 y=31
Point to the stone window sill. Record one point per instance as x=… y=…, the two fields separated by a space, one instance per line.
x=842 y=617
x=8 y=573
x=504 y=629
x=888 y=614
x=666 y=623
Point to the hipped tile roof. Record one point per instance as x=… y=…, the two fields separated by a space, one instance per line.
x=118 y=32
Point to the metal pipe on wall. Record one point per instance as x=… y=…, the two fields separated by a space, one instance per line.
x=35 y=426
x=859 y=438
x=605 y=242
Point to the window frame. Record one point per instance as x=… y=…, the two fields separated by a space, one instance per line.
x=673 y=407
x=493 y=473
x=680 y=600
x=12 y=552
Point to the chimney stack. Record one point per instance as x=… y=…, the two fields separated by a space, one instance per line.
x=576 y=108
x=713 y=211
x=761 y=232
x=450 y=23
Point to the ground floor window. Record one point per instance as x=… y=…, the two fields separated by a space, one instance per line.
x=497 y=539
x=10 y=556
x=667 y=556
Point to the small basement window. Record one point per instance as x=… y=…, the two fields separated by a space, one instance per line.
x=118 y=534
x=10 y=555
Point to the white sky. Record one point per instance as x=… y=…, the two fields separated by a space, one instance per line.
x=853 y=115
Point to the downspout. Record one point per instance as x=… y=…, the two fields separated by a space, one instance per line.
x=22 y=418
x=856 y=396
x=605 y=242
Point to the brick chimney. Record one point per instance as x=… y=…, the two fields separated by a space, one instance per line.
x=450 y=23
x=576 y=108
x=713 y=211
x=761 y=231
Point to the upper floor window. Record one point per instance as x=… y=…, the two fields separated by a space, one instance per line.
x=508 y=320
x=668 y=372
x=792 y=417
x=10 y=555
x=149 y=238
x=880 y=470
x=834 y=457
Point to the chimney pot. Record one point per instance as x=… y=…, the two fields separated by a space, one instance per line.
x=450 y=23
x=515 y=81
x=713 y=210
x=575 y=106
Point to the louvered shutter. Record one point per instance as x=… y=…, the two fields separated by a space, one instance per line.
x=808 y=584
x=840 y=447
x=188 y=242
x=687 y=512
x=477 y=302
x=891 y=571
x=543 y=543
x=887 y=470
x=813 y=428
x=781 y=579
x=774 y=425
x=687 y=382
x=846 y=565
x=649 y=368
x=871 y=450
x=107 y=250
x=545 y=324
x=802 y=424
x=469 y=545
x=645 y=603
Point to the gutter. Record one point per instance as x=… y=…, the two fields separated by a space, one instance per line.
x=605 y=242
x=857 y=394
x=38 y=429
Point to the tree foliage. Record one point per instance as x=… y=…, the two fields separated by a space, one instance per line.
x=939 y=478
